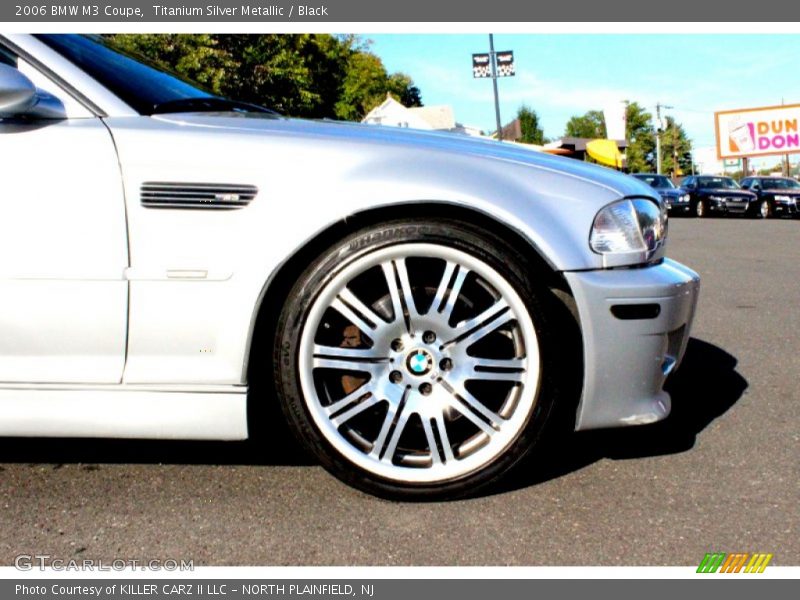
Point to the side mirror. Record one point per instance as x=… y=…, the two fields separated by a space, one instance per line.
x=17 y=92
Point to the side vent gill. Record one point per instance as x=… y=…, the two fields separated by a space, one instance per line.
x=156 y=194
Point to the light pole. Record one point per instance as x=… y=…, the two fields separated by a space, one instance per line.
x=494 y=65
x=493 y=61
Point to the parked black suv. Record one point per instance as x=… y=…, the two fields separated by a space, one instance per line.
x=777 y=196
x=715 y=194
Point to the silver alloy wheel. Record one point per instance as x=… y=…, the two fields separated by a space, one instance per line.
x=764 y=209
x=700 y=208
x=424 y=394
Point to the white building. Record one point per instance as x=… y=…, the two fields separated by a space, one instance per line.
x=706 y=161
x=432 y=118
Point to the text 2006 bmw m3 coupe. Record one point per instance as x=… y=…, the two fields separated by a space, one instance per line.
x=425 y=301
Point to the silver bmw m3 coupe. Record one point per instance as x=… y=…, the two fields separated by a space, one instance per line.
x=418 y=304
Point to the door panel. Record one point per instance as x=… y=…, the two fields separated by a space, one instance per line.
x=63 y=253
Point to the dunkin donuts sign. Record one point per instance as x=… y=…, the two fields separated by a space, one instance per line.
x=758 y=131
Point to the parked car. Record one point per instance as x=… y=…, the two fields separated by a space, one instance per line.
x=676 y=198
x=713 y=194
x=777 y=196
x=419 y=304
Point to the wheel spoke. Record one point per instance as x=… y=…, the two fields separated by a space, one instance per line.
x=357 y=394
x=512 y=364
x=391 y=282
x=400 y=425
x=352 y=316
x=447 y=294
x=492 y=369
x=405 y=287
x=355 y=302
x=468 y=405
x=444 y=283
x=426 y=426
x=515 y=376
x=352 y=412
x=396 y=397
x=346 y=353
x=445 y=439
x=372 y=368
x=482 y=325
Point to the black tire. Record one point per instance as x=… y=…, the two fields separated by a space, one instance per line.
x=764 y=210
x=701 y=209
x=519 y=272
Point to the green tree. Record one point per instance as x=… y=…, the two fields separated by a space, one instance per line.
x=641 y=138
x=532 y=132
x=590 y=125
x=309 y=75
x=195 y=56
x=676 y=149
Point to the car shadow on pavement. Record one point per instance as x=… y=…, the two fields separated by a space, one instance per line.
x=705 y=387
x=271 y=443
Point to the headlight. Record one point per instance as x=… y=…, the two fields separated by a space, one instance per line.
x=783 y=198
x=685 y=198
x=629 y=226
x=717 y=198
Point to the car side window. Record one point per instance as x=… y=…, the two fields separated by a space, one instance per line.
x=7 y=58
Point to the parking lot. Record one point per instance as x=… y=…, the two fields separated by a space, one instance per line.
x=720 y=475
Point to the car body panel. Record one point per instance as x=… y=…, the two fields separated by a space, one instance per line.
x=628 y=360
x=355 y=169
x=64 y=249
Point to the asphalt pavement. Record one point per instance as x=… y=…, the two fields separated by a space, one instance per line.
x=721 y=474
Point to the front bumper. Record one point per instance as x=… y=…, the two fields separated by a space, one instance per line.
x=629 y=352
x=678 y=207
x=732 y=205
x=787 y=207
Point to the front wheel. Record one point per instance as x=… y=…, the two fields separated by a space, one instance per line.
x=409 y=359
x=764 y=209
x=701 y=209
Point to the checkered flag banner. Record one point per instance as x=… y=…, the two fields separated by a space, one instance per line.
x=481 y=67
x=505 y=64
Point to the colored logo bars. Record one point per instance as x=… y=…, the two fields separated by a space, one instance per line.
x=734 y=563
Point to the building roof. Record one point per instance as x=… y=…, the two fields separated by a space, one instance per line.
x=439 y=117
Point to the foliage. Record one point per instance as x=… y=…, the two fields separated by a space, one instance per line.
x=532 y=132
x=641 y=136
x=592 y=125
x=676 y=149
x=308 y=75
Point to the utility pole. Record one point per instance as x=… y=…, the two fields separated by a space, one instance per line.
x=785 y=168
x=659 y=106
x=493 y=61
x=674 y=152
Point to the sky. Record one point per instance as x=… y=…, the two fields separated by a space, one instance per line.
x=562 y=75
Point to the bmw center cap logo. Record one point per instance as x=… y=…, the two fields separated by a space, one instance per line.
x=419 y=362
